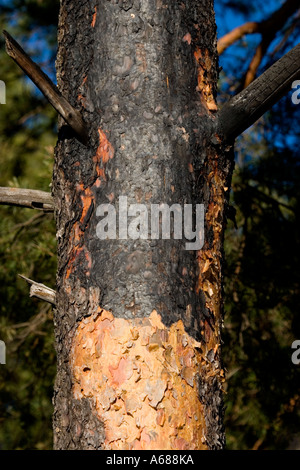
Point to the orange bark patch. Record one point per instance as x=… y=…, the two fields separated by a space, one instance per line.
x=104 y=153
x=142 y=378
x=187 y=38
x=76 y=237
x=105 y=150
x=210 y=256
x=94 y=18
x=122 y=372
x=81 y=96
x=87 y=199
x=82 y=99
x=204 y=67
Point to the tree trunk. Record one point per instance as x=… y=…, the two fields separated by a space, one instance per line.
x=138 y=321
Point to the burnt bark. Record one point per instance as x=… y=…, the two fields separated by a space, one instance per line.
x=144 y=77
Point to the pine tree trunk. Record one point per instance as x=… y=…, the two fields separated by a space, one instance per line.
x=138 y=322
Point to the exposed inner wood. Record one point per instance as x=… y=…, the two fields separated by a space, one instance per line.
x=40 y=291
x=143 y=379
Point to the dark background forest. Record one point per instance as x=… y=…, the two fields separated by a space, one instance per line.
x=262 y=318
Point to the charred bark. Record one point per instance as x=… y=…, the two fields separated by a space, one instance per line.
x=138 y=321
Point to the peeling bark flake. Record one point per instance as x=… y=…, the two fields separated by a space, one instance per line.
x=204 y=67
x=138 y=394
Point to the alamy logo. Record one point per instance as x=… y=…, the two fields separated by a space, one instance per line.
x=164 y=222
x=2 y=92
x=296 y=94
x=296 y=354
x=2 y=352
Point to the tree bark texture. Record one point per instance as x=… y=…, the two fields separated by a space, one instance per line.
x=138 y=322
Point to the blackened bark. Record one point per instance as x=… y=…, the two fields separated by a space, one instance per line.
x=144 y=75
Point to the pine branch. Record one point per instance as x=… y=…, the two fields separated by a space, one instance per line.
x=31 y=198
x=71 y=115
x=267 y=28
x=40 y=291
x=251 y=27
x=250 y=104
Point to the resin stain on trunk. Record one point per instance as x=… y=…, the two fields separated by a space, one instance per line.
x=205 y=83
x=94 y=17
x=105 y=151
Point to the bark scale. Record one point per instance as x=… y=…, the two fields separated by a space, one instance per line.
x=138 y=322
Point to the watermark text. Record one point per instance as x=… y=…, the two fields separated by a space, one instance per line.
x=2 y=92
x=2 y=352
x=163 y=221
x=296 y=94
x=296 y=354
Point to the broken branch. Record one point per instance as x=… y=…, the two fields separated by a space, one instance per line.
x=31 y=198
x=40 y=291
x=71 y=115
x=251 y=103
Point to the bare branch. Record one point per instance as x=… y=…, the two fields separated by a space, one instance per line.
x=230 y=38
x=249 y=105
x=71 y=115
x=256 y=60
x=267 y=28
x=287 y=33
x=31 y=198
x=40 y=291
